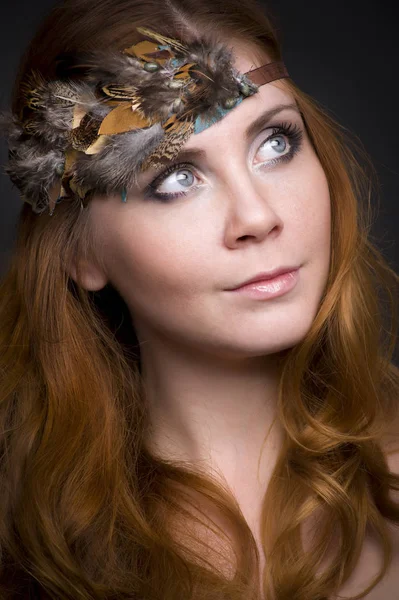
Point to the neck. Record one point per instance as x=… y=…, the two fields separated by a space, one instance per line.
x=218 y=411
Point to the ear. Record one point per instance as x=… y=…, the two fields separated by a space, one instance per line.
x=88 y=274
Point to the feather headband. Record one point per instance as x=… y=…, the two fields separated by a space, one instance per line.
x=133 y=111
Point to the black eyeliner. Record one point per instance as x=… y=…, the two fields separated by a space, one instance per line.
x=163 y=175
x=290 y=130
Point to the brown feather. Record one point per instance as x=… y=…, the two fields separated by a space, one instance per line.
x=161 y=39
x=85 y=134
x=122 y=119
x=176 y=135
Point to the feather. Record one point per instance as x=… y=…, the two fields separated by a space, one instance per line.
x=119 y=92
x=98 y=145
x=176 y=134
x=34 y=170
x=161 y=39
x=123 y=119
x=85 y=134
x=146 y=51
x=33 y=91
x=123 y=116
x=78 y=113
x=119 y=163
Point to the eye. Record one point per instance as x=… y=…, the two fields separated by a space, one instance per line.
x=276 y=143
x=175 y=177
x=177 y=180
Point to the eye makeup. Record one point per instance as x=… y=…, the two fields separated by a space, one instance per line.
x=291 y=131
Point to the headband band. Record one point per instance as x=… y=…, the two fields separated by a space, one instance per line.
x=134 y=110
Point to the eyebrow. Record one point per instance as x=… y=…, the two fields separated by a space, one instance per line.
x=261 y=121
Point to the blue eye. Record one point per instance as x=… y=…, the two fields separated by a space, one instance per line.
x=183 y=175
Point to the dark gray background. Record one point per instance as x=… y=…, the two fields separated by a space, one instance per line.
x=343 y=53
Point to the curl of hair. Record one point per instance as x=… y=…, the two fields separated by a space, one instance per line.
x=87 y=512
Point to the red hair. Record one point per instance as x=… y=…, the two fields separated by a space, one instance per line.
x=87 y=512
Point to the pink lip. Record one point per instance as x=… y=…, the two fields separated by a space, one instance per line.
x=261 y=289
x=265 y=276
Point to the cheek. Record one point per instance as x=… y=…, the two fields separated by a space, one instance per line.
x=310 y=212
x=148 y=257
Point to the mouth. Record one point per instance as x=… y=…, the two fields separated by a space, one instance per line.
x=266 y=276
x=270 y=286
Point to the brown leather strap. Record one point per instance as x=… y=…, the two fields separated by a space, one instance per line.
x=268 y=73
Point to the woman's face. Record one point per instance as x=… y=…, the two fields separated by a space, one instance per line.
x=253 y=202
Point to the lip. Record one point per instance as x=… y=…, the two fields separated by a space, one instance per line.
x=265 y=276
x=268 y=288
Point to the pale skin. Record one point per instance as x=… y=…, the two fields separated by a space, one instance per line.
x=209 y=357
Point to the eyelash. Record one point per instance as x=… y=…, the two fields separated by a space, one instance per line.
x=291 y=131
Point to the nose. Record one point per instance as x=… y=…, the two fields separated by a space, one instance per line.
x=250 y=216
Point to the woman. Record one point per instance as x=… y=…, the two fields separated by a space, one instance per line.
x=167 y=431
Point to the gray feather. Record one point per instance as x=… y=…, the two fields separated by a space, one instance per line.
x=118 y=165
x=33 y=170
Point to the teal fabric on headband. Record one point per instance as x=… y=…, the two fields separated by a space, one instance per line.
x=202 y=123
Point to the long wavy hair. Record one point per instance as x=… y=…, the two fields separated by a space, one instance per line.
x=87 y=512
